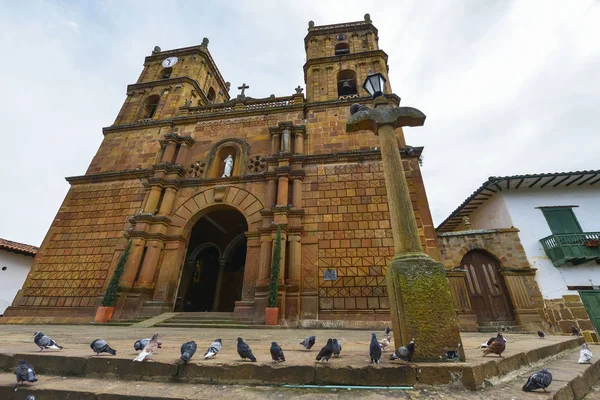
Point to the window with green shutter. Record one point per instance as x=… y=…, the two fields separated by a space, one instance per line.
x=561 y=220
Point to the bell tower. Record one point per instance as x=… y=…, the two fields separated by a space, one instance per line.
x=339 y=58
x=172 y=79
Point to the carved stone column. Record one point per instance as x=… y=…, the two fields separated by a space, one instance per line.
x=292 y=301
x=149 y=265
x=299 y=132
x=168 y=199
x=169 y=152
x=282 y=190
x=274 y=140
x=297 y=192
x=271 y=189
x=222 y=263
x=133 y=262
x=153 y=199
x=182 y=155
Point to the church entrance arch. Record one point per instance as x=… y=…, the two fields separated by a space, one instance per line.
x=486 y=287
x=213 y=273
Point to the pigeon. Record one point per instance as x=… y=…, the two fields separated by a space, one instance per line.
x=148 y=350
x=585 y=355
x=538 y=380
x=277 y=353
x=44 y=342
x=404 y=353
x=495 y=345
x=244 y=350
x=387 y=330
x=541 y=334
x=188 y=349
x=374 y=350
x=574 y=330
x=100 y=346
x=326 y=352
x=30 y=397
x=337 y=347
x=213 y=349
x=309 y=342
x=24 y=373
x=140 y=344
x=499 y=336
x=384 y=343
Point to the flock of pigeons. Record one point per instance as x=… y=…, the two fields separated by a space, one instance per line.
x=146 y=347
x=540 y=379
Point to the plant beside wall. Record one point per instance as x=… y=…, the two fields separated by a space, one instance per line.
x=105 y=312
x=272 y=311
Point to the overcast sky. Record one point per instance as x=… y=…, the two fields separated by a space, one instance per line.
x=507 y=87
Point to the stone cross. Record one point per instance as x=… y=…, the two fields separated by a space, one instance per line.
x=242 y=88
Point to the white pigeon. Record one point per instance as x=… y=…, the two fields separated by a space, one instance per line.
x=213 y=349
x=384 y=343
x=585 y=355
x=148 y=350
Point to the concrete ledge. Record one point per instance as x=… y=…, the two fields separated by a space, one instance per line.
x=467 y=375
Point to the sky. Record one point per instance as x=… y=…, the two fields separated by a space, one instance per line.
x=508 y=87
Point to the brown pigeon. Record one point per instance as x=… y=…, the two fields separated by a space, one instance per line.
x=496 y=346
x=147 y=351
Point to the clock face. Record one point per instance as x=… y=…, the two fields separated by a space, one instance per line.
x=169 y=62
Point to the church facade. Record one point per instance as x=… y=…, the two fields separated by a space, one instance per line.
x=199 y=182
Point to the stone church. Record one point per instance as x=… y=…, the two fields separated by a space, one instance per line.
x=200 y=179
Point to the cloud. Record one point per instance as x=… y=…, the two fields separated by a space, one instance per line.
x=509 y=87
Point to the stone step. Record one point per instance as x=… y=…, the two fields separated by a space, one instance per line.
x=211 y=320
x=228 y=325
x=504 y=329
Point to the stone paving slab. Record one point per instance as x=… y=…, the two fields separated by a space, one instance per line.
x=352 y=367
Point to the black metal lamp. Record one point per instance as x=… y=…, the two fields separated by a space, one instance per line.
x=374 y=84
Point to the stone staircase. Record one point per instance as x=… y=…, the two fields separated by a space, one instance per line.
x=209 y=320
x=501 y=326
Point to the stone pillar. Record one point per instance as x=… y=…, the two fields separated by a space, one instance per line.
x=283 y=267
x=400 y=138
x=153 y=198
x=168 y=199
x=182 y=155
x=148 y=269
x=274 y=142
x=222 y=263
x=169 y=152
x=266 y=250
x=271 y=190
x=297 y=192
x=133 y=262
x=282 y=191
x=294 y=272
x=299 y=142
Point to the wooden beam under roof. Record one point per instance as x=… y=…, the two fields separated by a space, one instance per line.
x=535 y=182
x=548 y=181
x=520 y=183
x=561 y=181
x=575 y=180
x=596 y=181
x=587 y=179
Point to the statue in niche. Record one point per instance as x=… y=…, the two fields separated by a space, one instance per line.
x=285 y=141
x=228 y=167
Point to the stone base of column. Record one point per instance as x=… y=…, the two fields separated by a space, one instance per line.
x=467 y=321
x=421 y=307
x=309 y=305
x=292 y=304
x=529 y=318
x=153 y=308
x=244 y=308
x=129 y=304
x=260 y=303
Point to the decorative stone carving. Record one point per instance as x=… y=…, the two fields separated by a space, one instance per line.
x=256 y=164
x=196 y=169
x=285 y=141
x=228 y=167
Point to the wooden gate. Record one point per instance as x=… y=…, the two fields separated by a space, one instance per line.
x=591 y=301
x=487 y=290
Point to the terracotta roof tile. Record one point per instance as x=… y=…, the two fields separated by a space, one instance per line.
x=18 y=247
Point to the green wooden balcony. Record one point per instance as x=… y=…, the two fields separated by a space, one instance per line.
x=575 y=248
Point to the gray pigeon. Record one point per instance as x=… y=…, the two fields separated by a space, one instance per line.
x=277 y=353
x=541 y=334
x=244 y=350
x=24 y=373
x=188 y=349
x=387 y=330
x=213 y=349
x=140 y=344
x=539 y=380
x=337 y=347
x=148 y=350
x=326 y=352
x=374 y=349
x=30 y=397
x=405 y=353
x=101 y=346
x=585 y=355
x=44 y=342
x=309 y=342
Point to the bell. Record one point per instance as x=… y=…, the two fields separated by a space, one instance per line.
x=346 y=89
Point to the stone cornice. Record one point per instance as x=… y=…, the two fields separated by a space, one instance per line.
x=164 y=183
x=518 y=271
x=353 y=156
x=223 y=181
x=349 y=56
x=150 y=219
x=340 y=28
x=156 y=236
x=123 y=175
x=174 y=137
x=169 y=168
x=168 y=82
x=392 y=98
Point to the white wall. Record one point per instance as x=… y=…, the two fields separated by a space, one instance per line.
x=12 y=279
x=521 y=204
x=492 y=214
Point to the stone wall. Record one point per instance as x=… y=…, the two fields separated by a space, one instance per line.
x=567 y=311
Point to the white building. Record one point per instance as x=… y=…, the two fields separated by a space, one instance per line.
x=15 y=262
x=558 y=220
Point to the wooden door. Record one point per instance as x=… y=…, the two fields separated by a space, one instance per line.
x=591 y=301
x=487 y=290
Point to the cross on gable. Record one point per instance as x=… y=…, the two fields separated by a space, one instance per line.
x=242 y=88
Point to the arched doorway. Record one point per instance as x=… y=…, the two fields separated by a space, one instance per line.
x=213 y=271
x=487 y=289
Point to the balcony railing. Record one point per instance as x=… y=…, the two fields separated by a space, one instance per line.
x=576 y=248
